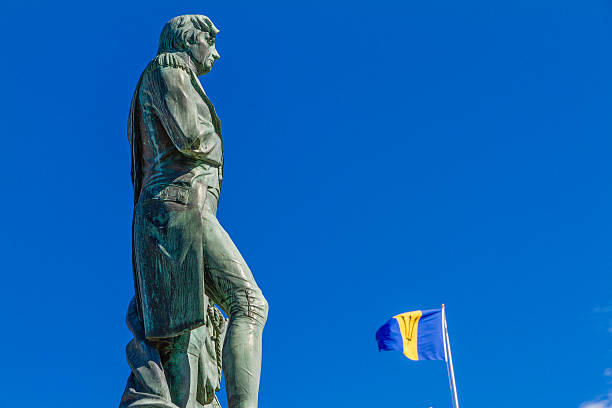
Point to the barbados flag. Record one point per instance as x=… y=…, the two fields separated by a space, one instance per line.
x=419 y=334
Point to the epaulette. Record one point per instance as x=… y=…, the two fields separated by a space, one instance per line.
x=169 y=60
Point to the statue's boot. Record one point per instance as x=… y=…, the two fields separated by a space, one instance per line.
x=242 y=362
x=179 y=357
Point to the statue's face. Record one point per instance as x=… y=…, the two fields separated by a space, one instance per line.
x=204 y=53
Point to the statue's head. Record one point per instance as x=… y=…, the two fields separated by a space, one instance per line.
x=193 y=34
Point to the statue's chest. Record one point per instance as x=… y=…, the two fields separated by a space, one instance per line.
x=204 y=112
x=206 y=108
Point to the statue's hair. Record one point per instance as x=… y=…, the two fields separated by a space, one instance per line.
x=181 y=31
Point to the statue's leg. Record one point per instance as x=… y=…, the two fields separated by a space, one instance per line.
x=179 y=358
x=230 y=284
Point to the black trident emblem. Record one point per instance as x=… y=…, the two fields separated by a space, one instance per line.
x=410 y=323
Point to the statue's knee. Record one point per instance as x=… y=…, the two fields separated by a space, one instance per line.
x=257 y=306
x=251 y=304
x=264 y=307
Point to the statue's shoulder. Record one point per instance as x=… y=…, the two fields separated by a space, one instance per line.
x=168 y=60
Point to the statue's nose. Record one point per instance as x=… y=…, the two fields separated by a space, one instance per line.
x=216 y=54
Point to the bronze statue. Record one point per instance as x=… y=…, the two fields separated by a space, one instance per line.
x=182 y=257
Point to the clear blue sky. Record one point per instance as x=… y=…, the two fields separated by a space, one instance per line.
x=381 y=157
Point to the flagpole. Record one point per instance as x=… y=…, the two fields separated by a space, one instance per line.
x=449 y=363
x=450 y=383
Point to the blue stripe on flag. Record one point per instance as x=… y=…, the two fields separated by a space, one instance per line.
x=389 y=336
x=430 y=342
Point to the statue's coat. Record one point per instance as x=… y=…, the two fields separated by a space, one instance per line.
x=176 y=142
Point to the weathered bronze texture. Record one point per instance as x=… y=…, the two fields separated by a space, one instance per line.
x=182 y=257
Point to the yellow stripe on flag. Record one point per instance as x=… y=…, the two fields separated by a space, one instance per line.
x=409 y=325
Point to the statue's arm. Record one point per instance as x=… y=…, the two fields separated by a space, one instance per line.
x=177 y=106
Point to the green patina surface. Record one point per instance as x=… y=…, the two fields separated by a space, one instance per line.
x=183 y=259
